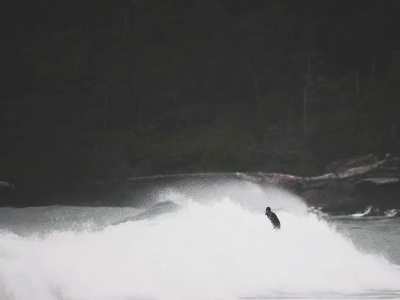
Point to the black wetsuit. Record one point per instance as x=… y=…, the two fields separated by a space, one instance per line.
x=274 y=220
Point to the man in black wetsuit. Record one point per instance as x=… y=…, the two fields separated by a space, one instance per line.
x=273 y=218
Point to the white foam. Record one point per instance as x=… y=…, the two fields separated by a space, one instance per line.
x=390 y=213
x=221 y=249
x=249 y=195
x=365 y=213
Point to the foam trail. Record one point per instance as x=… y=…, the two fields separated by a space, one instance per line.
x=221 y=249
x=365 y=213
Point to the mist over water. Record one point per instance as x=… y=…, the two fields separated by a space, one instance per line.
x=216 y=244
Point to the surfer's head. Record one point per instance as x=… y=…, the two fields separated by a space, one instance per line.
x=268 y=209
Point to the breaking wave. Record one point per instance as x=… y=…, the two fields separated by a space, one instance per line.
x=205 y=242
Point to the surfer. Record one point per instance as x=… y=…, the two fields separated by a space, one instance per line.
x=273 y=218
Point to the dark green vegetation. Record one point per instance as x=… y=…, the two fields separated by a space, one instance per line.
x=111 y=88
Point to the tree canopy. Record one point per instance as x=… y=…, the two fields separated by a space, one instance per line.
x=102 y=88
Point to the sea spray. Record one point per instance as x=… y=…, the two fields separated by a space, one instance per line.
x=224 y=248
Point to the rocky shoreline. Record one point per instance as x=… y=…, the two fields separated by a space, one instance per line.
x=347 y=186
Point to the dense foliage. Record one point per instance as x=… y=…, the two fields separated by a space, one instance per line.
x=116 y=88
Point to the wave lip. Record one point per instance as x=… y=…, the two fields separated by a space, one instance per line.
x=158 y=209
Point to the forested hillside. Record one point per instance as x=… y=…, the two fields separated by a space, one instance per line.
x=117 y=88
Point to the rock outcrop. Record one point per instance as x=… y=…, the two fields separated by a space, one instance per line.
x=347 y=187
x=350 y=185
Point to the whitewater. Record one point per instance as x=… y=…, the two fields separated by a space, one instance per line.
x=197 y=241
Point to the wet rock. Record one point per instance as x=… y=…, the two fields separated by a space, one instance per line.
x=349 y=185
x=366 y=181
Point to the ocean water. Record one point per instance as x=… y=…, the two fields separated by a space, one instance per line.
x=198 y=241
